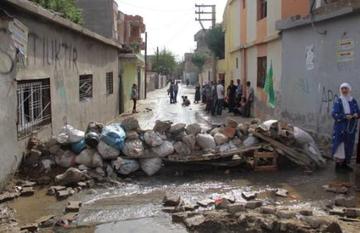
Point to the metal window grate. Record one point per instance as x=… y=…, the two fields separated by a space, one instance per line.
x=33 y=106
x=109 y=83
x=85 y=87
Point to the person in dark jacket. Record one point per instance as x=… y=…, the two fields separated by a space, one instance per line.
x=231 y=95
x=197 y=94
x=171 y=92
x=346 y=114
x=134 y=96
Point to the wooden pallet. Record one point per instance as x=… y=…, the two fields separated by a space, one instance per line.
x=271 y=156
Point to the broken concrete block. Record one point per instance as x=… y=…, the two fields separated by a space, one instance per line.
x=281 y=193
x=206 y=202
x=205 y=141
x=189 y=141
x=231 y=123
x=130 y=124
x=343 y=201
x=46 y=221
x=285 y=214
x=253 y=204
x=221 y=203
x=179 y=217
x=53 y=189
x=73 y=206
x=162 y=126
x=63 y=194
x=8 y=196
x=228 y=132
x=177 y=128
x=235 y=208
x=170 y=210
x=193 y=129
x=268 y=210
x=249 y=195
x=71 y=176
x=132 y=135
x=306 y=212
x=339 y=190
x=27 y=191
x=352 y=212
x=194 y=221
x=152 y=138
x=220 y=139
x=171 y=199
x=30 y=228
x=334 y=227
x=26 y=183
x=337 y=211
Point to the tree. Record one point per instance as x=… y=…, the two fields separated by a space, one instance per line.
x=215 y=40
x=164 y=62
x=198 y=59
x=67 y=8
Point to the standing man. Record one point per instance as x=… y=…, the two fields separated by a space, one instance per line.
x=171 y=92
x=238 y=91
x=250 y=95
x=134 y=96
x=220 y=98
x=231 y=94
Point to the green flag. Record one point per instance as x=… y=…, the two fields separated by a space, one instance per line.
x=269 y=87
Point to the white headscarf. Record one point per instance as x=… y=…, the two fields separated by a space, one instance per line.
x=345 y=99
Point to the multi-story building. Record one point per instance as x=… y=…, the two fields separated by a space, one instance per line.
x=100 y=16
x=130 y=31
x=252 y=42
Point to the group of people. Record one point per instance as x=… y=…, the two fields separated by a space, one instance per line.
x=235 y=100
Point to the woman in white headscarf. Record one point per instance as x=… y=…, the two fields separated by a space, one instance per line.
x=345 y=113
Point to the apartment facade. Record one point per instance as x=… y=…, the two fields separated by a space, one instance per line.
x=252 y=43
x=321 y=53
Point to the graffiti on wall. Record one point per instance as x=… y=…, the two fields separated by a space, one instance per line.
x=328 y=98
x=52 y=52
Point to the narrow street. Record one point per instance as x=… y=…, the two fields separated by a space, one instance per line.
x=135 y=204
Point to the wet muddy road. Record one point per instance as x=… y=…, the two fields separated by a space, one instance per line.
x=135 y=205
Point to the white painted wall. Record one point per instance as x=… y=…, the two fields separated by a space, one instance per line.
x=251 y=20
x=273 y=15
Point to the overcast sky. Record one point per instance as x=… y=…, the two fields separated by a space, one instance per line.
x=170 y=23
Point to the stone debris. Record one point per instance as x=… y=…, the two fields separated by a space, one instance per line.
x=71 y=176
x=73 y=206
x=193 y=129
x=281 y=193
x=194 y=221
x=46 y=221
x=206 y=202
x=344 y=201
x=171 y=199
x=249 y=195
x=30 y=228
x=253 y=204
x=27 y=191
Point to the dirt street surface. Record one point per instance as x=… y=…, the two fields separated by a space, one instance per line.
x=135 y=203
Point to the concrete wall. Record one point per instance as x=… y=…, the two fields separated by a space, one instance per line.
x=10 y=153
x=57 y=53
x=307 y=95
x=98 y=16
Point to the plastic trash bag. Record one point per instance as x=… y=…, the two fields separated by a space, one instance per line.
x=69 y=134
x=107 y=152
x=152 y=138
x=78 y=147
x=302 y=137
x=89 y=158
x=151 y=166
x=114 y=135
x=133 y=148
x=164 y=149
x=65 y=160
x=250 y=141
x=128 y=166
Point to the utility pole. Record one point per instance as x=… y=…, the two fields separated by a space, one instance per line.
x=207 y=13
x=203 y=10
x=146 y=63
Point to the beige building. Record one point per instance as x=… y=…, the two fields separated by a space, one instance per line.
x=252 y=42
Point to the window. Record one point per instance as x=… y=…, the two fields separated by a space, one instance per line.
x=85 y=87
x=33 y=105
x=237 y=63
x=262 y=9
x=243 y=4
x=261 y=71
x=109 y=83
